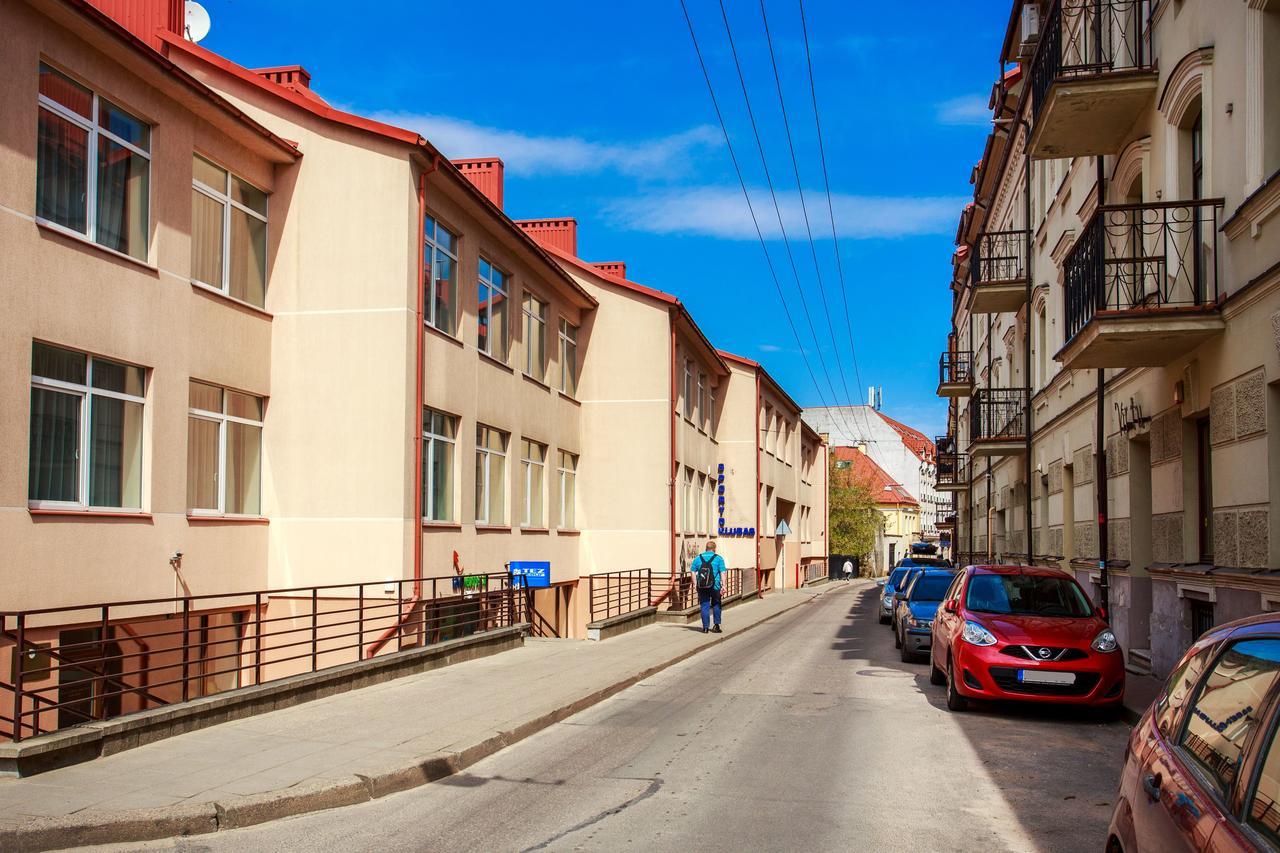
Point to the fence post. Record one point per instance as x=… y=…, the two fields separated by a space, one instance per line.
x=314 y=632
x=186 y=649
x=257 y=638
x=102 y=665
x=18 y=694
x=399 y=623
x=360 y=627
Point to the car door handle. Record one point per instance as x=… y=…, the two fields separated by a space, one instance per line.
x=1151 y=785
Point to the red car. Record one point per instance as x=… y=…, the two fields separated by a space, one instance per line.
x=1201 y=770
x=1025 y=634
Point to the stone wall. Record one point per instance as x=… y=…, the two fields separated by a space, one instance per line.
x=1086 y=540
x=1117 y=455
x=1166 y=537
x=1166 y=436
x=1170 y=626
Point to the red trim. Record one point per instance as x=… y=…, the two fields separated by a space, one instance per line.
x=746 y=362
x=90 y=513
x=385 y=637
x=561 y=254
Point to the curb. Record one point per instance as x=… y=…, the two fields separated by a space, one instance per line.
x=187 y=819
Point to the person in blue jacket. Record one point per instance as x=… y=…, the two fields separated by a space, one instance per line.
x=708 y=569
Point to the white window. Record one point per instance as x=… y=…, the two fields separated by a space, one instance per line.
x=568 y=358
x=688 y=389
x=491 y=473
x=768 y=430
x=86 y=431
x=224 y=451
x=686 y=520
x=568 y=490
x=439 y=437
x=702 y=399
x=702 y=504
x=711 y=413
x=533 y=467
x=93 y=166
x=440 y=257
x=228 y=233
x=491 y=301
x=535 y=336
x=712 y=514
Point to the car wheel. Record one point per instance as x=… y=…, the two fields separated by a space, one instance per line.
x=897 y=639
x=955 y=702
x=884 y=620
x=905 y=654
x=936 y=676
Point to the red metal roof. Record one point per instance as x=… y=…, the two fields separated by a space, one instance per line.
x=864 y=470
x=146 y=19
x=916 y=441
x=560 y=232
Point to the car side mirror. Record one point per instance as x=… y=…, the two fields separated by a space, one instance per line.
x=1102 y=612
x=880 y=581
x=899 y=596
x=949 y=605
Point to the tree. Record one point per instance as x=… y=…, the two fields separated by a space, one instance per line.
x=854 y=519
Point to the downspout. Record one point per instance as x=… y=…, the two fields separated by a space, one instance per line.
x=1026 y=344
x=1099 y=449
x=418 y=393
x=671 y=465
x=759 y=492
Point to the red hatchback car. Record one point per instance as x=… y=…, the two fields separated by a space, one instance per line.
x=1024 y=634
x=1202 y=767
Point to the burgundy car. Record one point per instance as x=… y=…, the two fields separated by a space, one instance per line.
x=1025 y=634
x=1201 y=770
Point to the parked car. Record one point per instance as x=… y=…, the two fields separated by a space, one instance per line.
x=915 y=610
x=912 y=572
x=1025 y=634
x=891 y=585
x=1202 y=767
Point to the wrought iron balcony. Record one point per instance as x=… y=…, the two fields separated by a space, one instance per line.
x=1091 y=76
x=1141 y=285
x=953 y=471
x=947 y=522
x=955 y=374
x=998 y=272
x=998 y=422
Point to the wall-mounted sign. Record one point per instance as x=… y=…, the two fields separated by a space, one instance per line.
x=722 y=531
x=536 y=573
x=470 y=583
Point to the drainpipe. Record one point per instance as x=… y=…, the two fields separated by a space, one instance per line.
x=671 y=466
x=1026 y=344
x=1100 y=455
x=418 y=393
x=756 y=431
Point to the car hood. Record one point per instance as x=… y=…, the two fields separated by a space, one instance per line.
x=1041 y=630
x=923 y=609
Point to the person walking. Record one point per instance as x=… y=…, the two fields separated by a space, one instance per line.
x=848 y=570
x=707 y=572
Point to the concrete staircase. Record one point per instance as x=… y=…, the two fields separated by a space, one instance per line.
x=1139 y=662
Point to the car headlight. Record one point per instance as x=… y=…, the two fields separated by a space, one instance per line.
x=887 y=602
x=911 y=621
x=1105 y=642
x=975 y=635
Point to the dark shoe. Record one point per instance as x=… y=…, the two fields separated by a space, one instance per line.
x=716 y=630
x=704 y=630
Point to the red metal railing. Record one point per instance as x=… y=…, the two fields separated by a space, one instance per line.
x=617 y=593
x=680 y=592
x=103 y=660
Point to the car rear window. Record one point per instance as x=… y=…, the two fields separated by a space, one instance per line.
x=1227 y=707
x=1027 y=595
x=896 y=578
x=931 y=588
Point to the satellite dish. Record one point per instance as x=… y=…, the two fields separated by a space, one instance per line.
x=197 y=24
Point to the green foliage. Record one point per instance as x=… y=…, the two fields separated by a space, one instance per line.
x=854 y=520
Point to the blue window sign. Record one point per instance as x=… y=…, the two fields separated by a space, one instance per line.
x=536 y=573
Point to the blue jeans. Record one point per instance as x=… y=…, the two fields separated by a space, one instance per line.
x=709 y=601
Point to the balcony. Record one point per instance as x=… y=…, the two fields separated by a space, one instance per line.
x=953 y=472
x=1091 y=77
x=947 y=522
x=998 y=272
x=955 y=374
x=998 y=422
x=1141 y=285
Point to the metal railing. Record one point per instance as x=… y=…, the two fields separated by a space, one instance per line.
x=955 y=368
x=99 y=661
x=815 y=570
x=618 y=593
x=1084 y=38
x=998 y=413
x=999 y=257
x=1142 y=256
x=680 y=592
x=953 y=469
x=944 y=443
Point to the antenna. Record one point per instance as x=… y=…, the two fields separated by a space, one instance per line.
x=197 y=23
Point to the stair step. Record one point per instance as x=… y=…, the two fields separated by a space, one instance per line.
x=1139 y=662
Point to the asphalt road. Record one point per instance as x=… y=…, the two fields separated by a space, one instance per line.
x=806 y=733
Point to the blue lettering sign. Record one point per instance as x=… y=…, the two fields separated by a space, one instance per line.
x=536 y=573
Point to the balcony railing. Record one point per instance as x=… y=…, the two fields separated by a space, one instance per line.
x=998 y=414
x=1143 y=257
x=944 y=444
x=1000 y=257
x=953 y=471
x=955 y=373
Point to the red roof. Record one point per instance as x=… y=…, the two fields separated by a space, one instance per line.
x=916 y=441
x=863 y=469
x=755 y=365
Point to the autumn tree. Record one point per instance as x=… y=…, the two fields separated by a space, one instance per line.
x=854 y=519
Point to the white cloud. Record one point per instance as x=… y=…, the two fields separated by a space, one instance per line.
x=770 y=348
x=722 y=212
x=966 y=110
x=526 y=154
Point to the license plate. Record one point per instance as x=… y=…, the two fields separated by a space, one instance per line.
x=1035 y=676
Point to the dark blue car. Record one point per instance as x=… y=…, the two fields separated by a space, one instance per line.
x=891 y=585
x=915 y=608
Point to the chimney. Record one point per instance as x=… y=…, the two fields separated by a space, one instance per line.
x=289 y=76
x=485 y=173
x=144 y=18
x=613 y=269
x=561 y=233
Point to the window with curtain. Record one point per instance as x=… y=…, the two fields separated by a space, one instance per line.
x=438 y=440
x=228 y=233
x=224 y=451
x=568 y=469
x=86 y=431
x=568 y=358
x=533 y=464
x=702 y=504
x=491 y=473
x=535 y=336
x=93 y=166
x=702 y=399
x=491 y=302
x=440 y=254
x=688 y=389
x=686 y=521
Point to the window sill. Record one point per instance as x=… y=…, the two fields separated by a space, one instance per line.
x=543 y=530
x=568 y=531
x=536 y=381
x=226 y=519
x=570 y=398
x=219 y=296
x=493 y=528
x=120 y=515
x=495 y=361
x=441 y=525
x=83 y=239
x=443 y=335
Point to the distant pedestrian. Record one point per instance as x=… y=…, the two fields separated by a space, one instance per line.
x=707 y=571
x=848 y=570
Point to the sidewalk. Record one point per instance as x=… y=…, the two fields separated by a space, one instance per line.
x=1139 y=692
x=350 y=747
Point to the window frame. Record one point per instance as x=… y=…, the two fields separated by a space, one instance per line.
x=222 y=419
x=431 y=245
x=527 y=464
x=488 y=453
x=486 y=312
x=688 y=389
x=84 y=442
x=563 y=475
x=700 y=415
x=430 y=442
x=224 y=198
x=532 y=319
x=568 y=336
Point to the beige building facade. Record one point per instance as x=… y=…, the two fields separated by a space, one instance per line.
x=1116 y=315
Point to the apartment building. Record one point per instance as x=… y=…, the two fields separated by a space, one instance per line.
x=1114 y=361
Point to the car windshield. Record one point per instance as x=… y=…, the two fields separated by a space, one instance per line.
x=896 y=577
x=930 y=561
x=930 y=588
x=1027 y=595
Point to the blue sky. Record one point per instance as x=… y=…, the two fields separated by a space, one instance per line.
x=600 y=112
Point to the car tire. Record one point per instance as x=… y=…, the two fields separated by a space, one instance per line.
x=897 y=638
x=884 y=620
x=955 y=702
x=905 y=654
x=936 y=676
